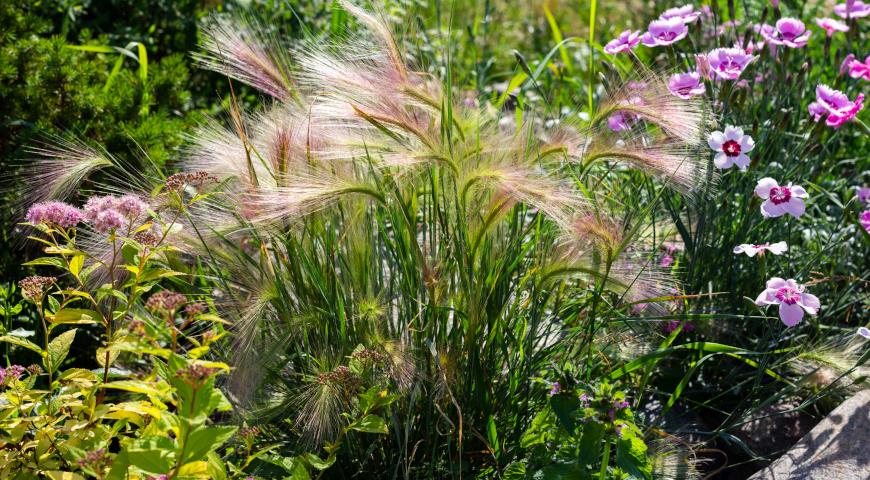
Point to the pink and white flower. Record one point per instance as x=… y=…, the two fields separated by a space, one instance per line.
x=789 y=32
x=686 y=85
x=835 y=105
x=780 y=200
x=731 y=147
x=844 y=67
x=728 y=63
x=863 y=194
x=792 y=299
x=830 y=25
x=858 y=9
x=686 y=13
x=664 y=31
x=859 y=69
x=625 y=42
x=777 y=248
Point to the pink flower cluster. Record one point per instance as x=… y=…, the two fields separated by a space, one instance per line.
x=11 y=372
x=852 y=9
x=54 y=213
x=109 y=213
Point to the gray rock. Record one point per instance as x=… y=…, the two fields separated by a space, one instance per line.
x=838 y=448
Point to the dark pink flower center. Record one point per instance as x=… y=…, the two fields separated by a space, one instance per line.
x=731 y=148
x=668 y=35
x=788 y=295
x=780 y=195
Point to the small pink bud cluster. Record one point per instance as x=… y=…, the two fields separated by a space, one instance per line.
x=165 y=302
x=33 y=287
x=11 y=372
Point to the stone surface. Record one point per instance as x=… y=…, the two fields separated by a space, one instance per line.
x=775 y=428
x=837 y=448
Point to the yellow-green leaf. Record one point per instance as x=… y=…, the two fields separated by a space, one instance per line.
x=76 y=316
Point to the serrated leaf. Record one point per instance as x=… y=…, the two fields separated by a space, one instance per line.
x=58 y=349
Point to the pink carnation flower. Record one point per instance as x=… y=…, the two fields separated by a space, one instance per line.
x=55 y=213
x=859 y=69
x=791 y=298
x=830 y=25
x=777 y=248
x=780 y=200
x=664 y=31
x=626 y=41
x=865 y=220
x=728 y=63
x=686 y=85
x=731 y=147
x=858 y=9
x=686 y=13
x=863 y=194
x=789 y=32
x=834 y=103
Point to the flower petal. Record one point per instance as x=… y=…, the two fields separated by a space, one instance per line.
x=775 y=282
x=798 y=191
x=762 y=189
x=733 y=133
x=771 y=210
x=778 y=248
x=716 y=140
x=722 y=161
x=790 y=315
x=766 y=298
x=747 y=143
x=795 y=207
x=742 y=161
x=810 y=303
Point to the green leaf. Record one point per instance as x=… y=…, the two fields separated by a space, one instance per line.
x=631 y=456
x=76 y=263
x=565 y=407
x=76 y=316
x=590 y=443
x=317 y=463
x=58 y=350
x=21 y=342
x=154 y=455
x=135 y=386
x=47 y=261
x=203 y=440
x=370 y=424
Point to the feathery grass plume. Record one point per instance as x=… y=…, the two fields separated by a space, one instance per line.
x=596 y=247
x=647 y=97
x=60 y=165
x=302 y=195
x=322 y=401
x=823 y=363
x=242 y=48
x=680 y=166
x=673 y=460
